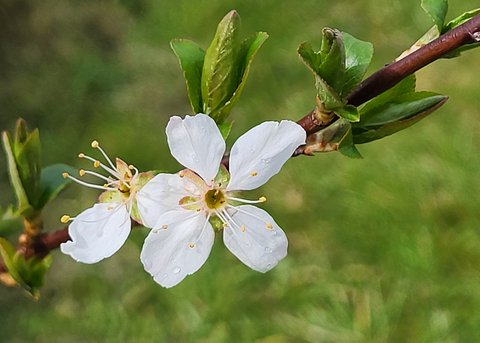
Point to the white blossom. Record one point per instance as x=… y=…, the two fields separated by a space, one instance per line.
x=101 y=230
x=179 y=206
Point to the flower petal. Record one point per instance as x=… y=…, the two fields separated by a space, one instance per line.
x=261 y=152
x=255 y=238
x=162 y=194
x=197 y=144
x=178 y=249
x=98 y=232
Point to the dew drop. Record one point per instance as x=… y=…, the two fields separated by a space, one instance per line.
x=176 y=270
x=265 y=160
x=268 y=250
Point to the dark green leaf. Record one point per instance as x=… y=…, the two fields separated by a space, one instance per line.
x=15 y=180
x=407 y=85
x=248 y=50
x=358 y=55
x=400 y=108
x=191 y=58
x=52 y=183
x=347 y=146
x=407 y=114
x=220 y=69
x=437 y=10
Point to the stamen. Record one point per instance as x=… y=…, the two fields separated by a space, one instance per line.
x=103 y=177
x=254 y=173
x=97 y=163
x=95 y=145
x=132 y=167
x=261 y=199
x=86 y=184
x=65 y=219
x=236 y=208
x=243 y=228
x=164 y=226
x=191 y=245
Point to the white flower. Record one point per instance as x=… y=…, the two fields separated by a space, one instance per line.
x=101 y=230
x=179 y=206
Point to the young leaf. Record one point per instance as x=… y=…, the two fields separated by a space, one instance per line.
x=248 y=50
x=7 y=251
x=400 y=108
x=358 y=55
x=347 y=146
x=407 y=109
x=225 y=129
x=52 y=183
x=220 y=69
x=437 y=10
x=15 y=180
x=32 y=272
x=332 y=68
x=191 y=58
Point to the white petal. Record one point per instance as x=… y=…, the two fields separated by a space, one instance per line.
x=197 y=144
x=180 y=249
x=161 y=194
x=255 y=238
x=261 y=152
x=98 y=232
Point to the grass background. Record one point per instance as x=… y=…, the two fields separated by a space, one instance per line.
x=381 y=249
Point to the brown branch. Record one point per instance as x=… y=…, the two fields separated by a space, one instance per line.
x=390 y=75
x=377 y=83
x=45 y=243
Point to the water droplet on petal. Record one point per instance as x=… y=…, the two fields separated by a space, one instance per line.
x=268 y=250
x=265 y=160
x=176 y=270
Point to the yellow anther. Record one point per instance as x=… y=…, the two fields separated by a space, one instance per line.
x=191 y=245
x=105 y=185
x=81 y=172
x=262 y=199
x=65 y=219
x=96 y=164
x=268 y=225
x=81 y=155
x=198 y=209
x=254 y=173
x=225 y=225
x=181 y=173
x=164 y=226
x=94 y=144
x=243 y=228
x=65 y=175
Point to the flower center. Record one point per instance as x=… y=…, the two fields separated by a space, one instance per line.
x=215 y=199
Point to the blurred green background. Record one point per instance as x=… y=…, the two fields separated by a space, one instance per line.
x=381 y=249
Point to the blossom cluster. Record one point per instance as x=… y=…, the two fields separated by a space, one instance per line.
x=182 y=209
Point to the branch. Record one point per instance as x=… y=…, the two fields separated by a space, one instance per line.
x=390 y=75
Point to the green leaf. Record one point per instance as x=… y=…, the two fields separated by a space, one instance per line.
x=332 y=68
x=225 y=129
x=460 y=19
x=347 y=146
x=396 y=115
x=10 y=221
x=407 y=85
x=248 y=50
x=7 y=251
x=52 y=183
x=27 y=157
x=437 y=10
x=31 y=272
x=220 y=69
x=400 y=108
x=15 y=180
x=191 y=58
x=358 y=55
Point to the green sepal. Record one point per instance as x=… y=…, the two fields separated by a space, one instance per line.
x=216 y=223
x=52 y=183
x=223 y=176
x=191 y=58
x=220 y=68
x=28 y=273
x=139 y=182
x=437 y=10
x=396 y=115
